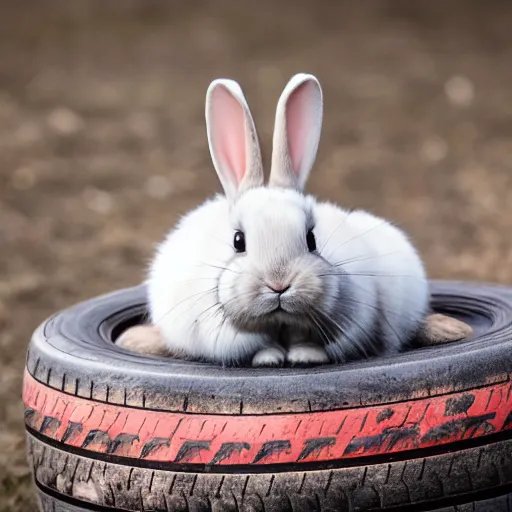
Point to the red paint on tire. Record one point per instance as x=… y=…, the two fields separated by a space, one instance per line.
x=265 y=439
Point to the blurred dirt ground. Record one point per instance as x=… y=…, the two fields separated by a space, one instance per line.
x=103 y=146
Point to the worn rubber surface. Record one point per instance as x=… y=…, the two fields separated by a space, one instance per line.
x=73 y=351
x=502 y=503
x=426 y=483
x=425 y=430
x=313 y=438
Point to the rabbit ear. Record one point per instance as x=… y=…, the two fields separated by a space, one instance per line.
x=296 y=132
x=232 y=138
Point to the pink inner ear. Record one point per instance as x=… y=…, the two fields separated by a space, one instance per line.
x=229 y=134
x=300 y=113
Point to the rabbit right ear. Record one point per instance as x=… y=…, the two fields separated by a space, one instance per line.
x=296 y=132
x=232 y=138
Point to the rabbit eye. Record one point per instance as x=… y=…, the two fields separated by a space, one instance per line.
x=239 y=242
x=311 y=241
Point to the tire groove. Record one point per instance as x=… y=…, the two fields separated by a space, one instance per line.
x=266 y=490
x=272 y=478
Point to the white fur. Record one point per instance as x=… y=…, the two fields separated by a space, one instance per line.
x=306 y=354
x=213 y=303
x=269 y=356
x=182 y=288
x=232 y=138
x=187 y=277
x=385 y=270
x=297 y=130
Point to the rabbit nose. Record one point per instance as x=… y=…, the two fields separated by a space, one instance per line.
x=279 y=287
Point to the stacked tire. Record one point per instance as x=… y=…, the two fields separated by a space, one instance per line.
x=429 y=429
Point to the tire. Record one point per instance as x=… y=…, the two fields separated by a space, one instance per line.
x=429 y=429
x=499 y=503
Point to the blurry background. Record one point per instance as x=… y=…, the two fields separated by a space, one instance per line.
x=103 y=145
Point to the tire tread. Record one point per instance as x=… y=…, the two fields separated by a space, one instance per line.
x=385 y=486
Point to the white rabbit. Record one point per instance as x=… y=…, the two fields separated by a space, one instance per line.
x=265 y=275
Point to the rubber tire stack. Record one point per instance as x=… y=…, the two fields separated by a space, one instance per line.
x=429 y=429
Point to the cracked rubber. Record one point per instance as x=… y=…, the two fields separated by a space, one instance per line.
x=429 y=429
x=501 y=503
x=432 y=481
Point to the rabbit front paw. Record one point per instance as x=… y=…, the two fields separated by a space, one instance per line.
x=269 y=356
x=300 y=355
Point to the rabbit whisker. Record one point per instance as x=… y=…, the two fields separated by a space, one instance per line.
x=379 y=309
x=328 y=337
x=335 y=229
x=220 y=240
x=354 y=342
x=356 y=260
x=367 y=275
x=202 y=294
x=213 y=278
x=359 y=235
x=203 y=264
x=228 y=270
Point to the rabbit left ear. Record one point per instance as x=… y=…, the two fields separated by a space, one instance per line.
x=232 y=138
x=297 y=131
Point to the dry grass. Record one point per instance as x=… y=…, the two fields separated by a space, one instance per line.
x=102 y=139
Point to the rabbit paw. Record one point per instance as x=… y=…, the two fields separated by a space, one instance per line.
x=269 y=356
x=300 y=355
x=442 y=329
x=143 y=339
